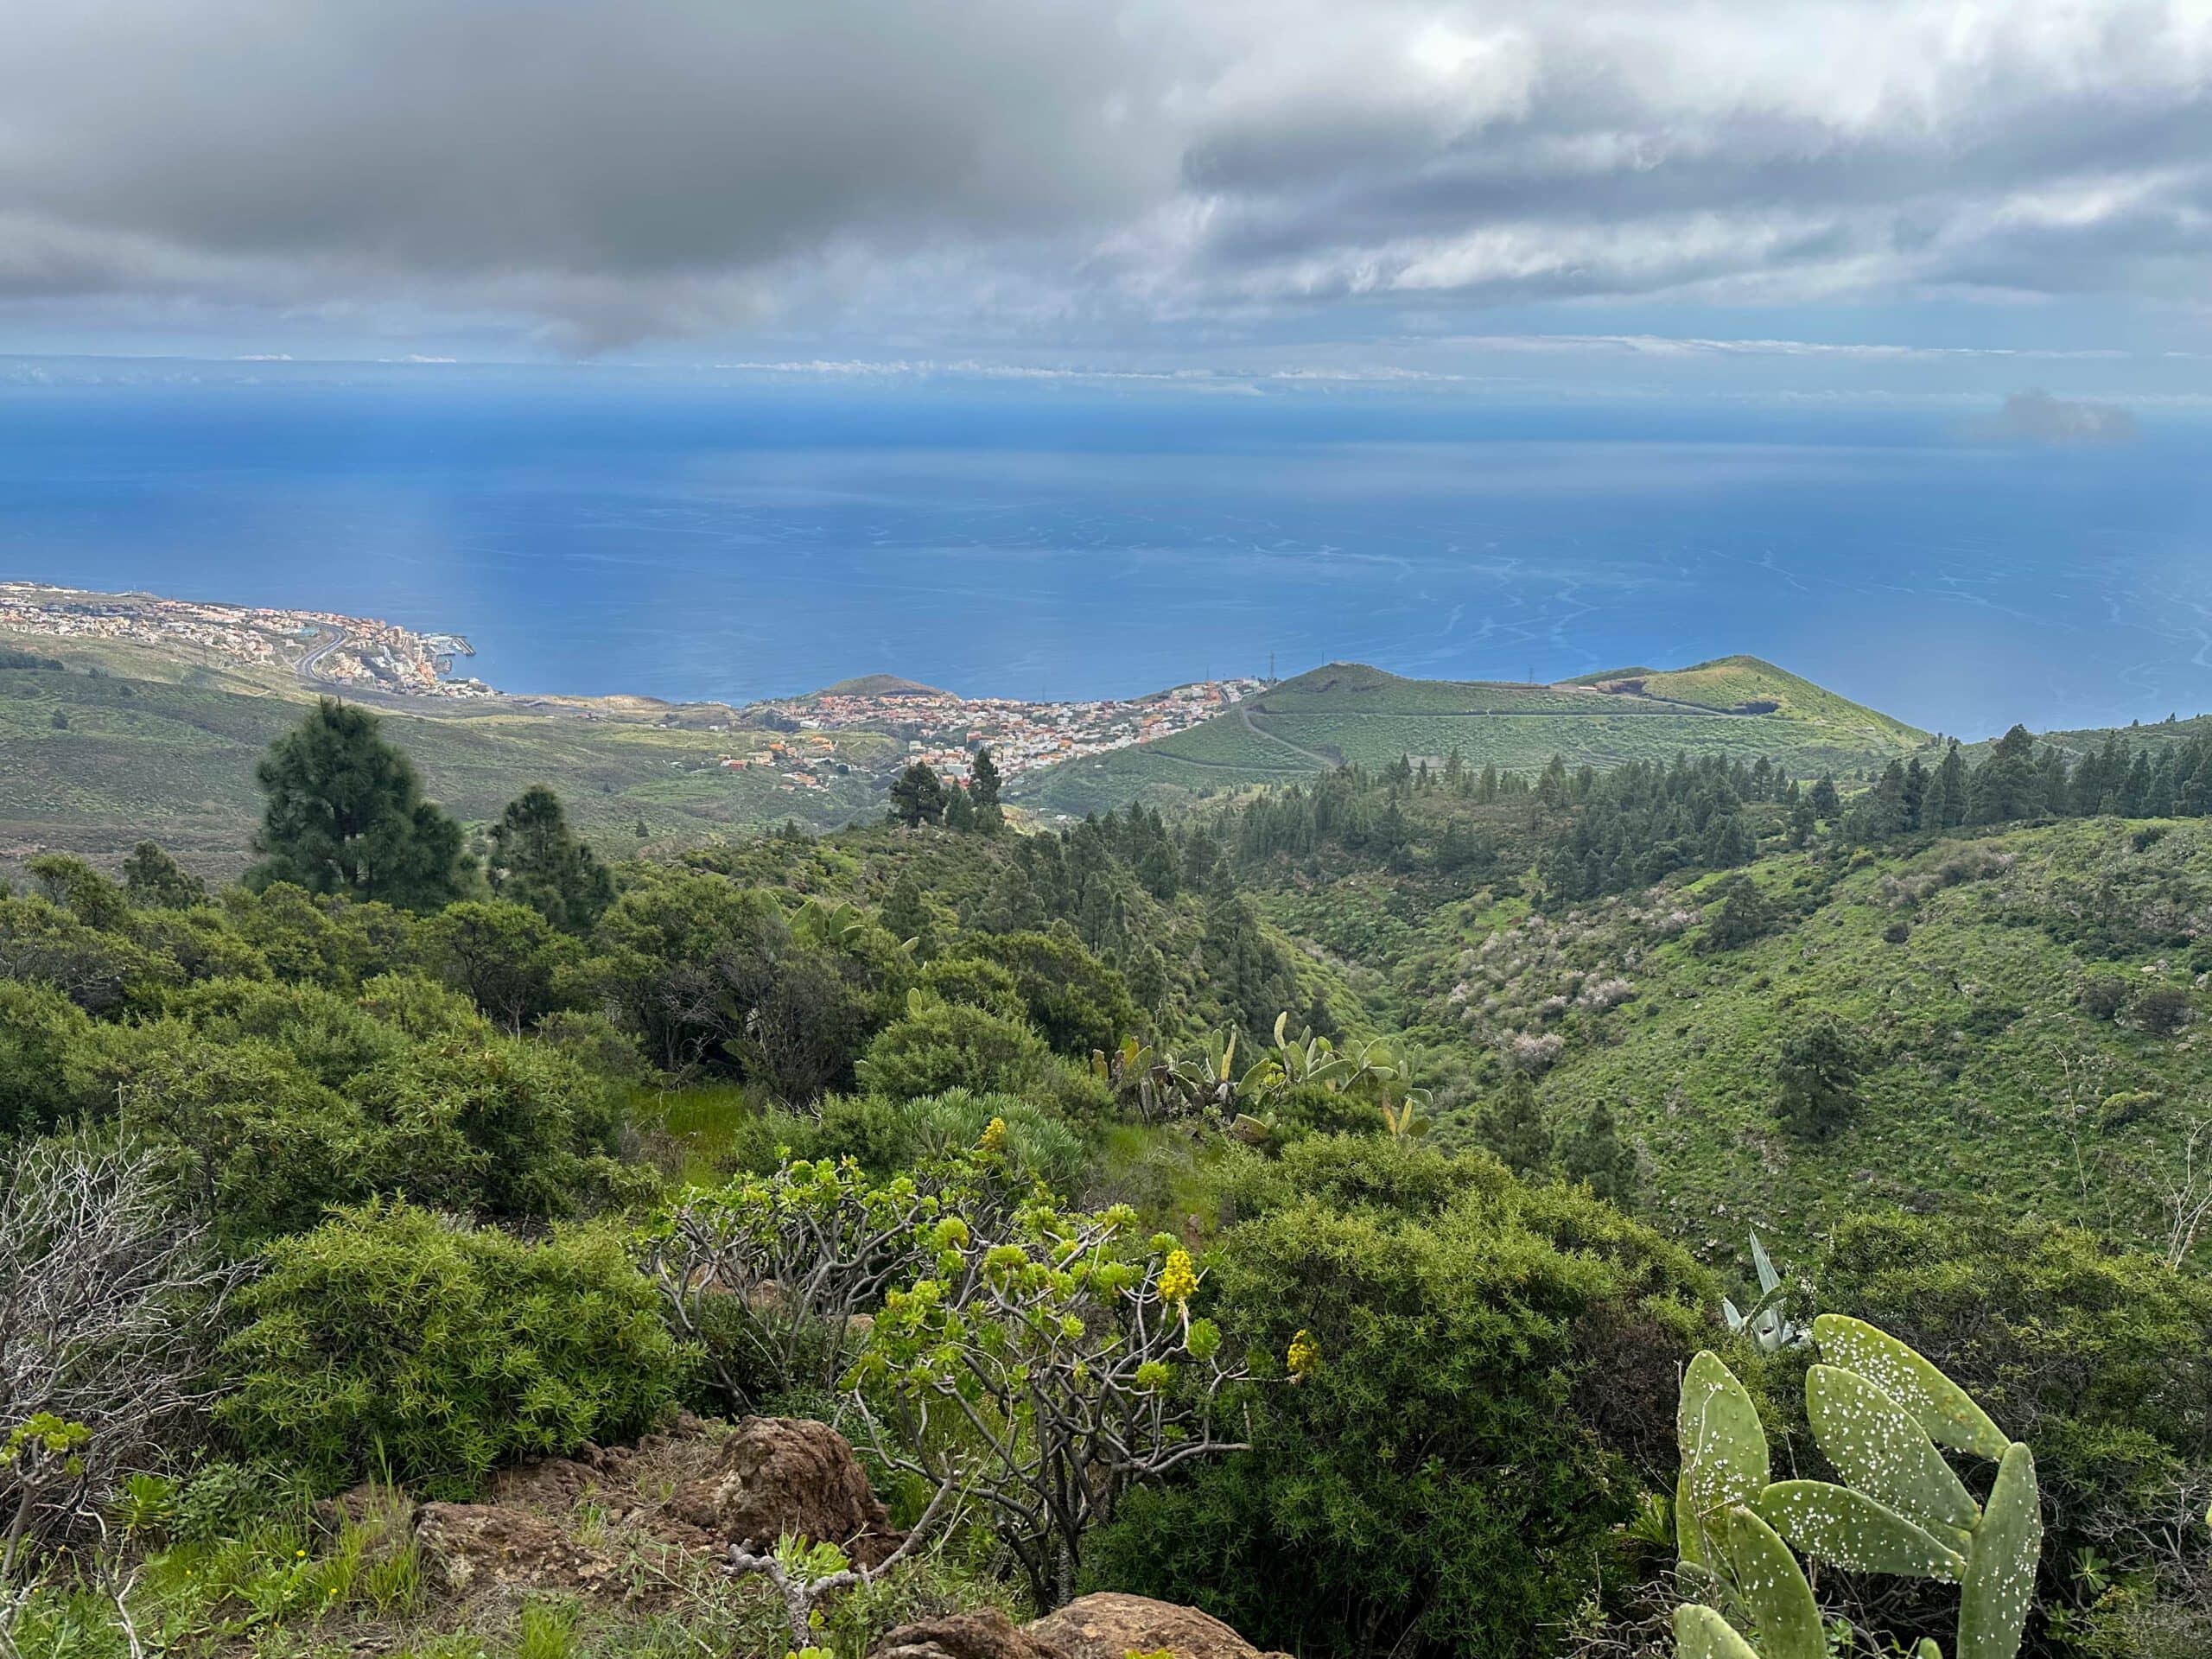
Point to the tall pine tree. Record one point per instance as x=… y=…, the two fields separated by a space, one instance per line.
x=346 y=815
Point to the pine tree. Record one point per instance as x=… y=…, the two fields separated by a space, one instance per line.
x=918 y=797
x=151 y=877
x=536 y=860
x=959 y=810
x=346 y=815
x=1512 y=1126
x=983 y=791
x=1596 y=1155
x=907 y=914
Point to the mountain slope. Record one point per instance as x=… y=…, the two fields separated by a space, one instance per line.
x=1348 y=713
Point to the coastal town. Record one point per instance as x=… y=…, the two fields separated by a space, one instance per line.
x=944 y=730
x=360 y=655
x=343 y=652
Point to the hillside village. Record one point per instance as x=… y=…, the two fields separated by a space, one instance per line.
x=944 y=730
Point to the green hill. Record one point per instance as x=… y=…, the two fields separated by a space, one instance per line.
x=1348 y=713
x=878 y=685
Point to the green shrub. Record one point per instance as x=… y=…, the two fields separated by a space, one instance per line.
x=1495 y=1375
x=43 y=1042
x=1076 y=1001
x=978 y=982
x=391 y=1338
x=941 y=1045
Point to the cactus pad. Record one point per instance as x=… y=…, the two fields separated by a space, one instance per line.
x=2000 y=1577
x=1701 y=1633
x=1852 y=1531
x=1881 y=1450
x=1944 y=1409
x=1724 y=1455
x=1771 y=1586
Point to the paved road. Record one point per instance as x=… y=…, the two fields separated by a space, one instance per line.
x=310 y=662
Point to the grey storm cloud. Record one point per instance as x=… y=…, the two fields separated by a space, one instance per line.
x=614 y=171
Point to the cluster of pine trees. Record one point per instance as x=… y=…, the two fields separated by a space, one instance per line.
x=2018 y=780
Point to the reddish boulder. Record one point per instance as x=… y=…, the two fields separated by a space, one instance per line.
x=1111 y=1626
x=778 y=1475
x=986 y=1635
x=1104 y=1626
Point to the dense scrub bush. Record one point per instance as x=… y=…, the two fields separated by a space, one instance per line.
x=941 y=1045
x=43 y=1034
x=289 y=1099
x=393 y=1339
x=1491 y=1373
x=1076 y=1001
x=977 y=982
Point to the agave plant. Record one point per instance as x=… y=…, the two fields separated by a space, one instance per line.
x=1767 y=1325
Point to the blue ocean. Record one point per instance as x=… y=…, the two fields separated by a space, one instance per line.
x=697 y=535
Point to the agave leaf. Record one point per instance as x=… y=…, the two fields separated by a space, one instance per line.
x=1767 y=1579
x=1724 y=1455
x=1770 y=1281
x=1849 y=1529
x=1701 y=1633
x=1882 y=1450
x=2001 y=1576
x=1944 y=1409
x=1927 y=1648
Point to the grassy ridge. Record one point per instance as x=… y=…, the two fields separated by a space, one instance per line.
x=1350 y=713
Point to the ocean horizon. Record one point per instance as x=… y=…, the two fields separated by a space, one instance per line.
x=714 y=537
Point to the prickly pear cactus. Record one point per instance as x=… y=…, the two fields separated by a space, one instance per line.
x=1879 y=1411
x=2000 y=1575
x=1723 y=1458
x=1726 y=1545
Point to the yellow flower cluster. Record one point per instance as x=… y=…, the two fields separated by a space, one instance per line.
x=994 y=1135
x=1304 y=1356
x=1179 y=1278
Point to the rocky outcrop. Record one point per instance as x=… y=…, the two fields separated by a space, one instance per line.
x=1104 y=1626
x=779 y=1475
x=988 y=1635
x=1109 y=1626
x=697 y=1490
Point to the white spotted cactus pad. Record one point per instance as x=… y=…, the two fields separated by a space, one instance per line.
x=1879 y=1412
x=1880 y=1450
x=2000 y=1578
x=1770 y=1587
x=1945 y=1412
x=1701 y=1633
x=1854 y=1531
x=1723 y=1458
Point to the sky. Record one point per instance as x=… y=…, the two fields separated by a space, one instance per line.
x=2003 y=205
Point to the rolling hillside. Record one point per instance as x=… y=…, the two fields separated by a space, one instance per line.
x=1347 y=713
x=124 y=743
